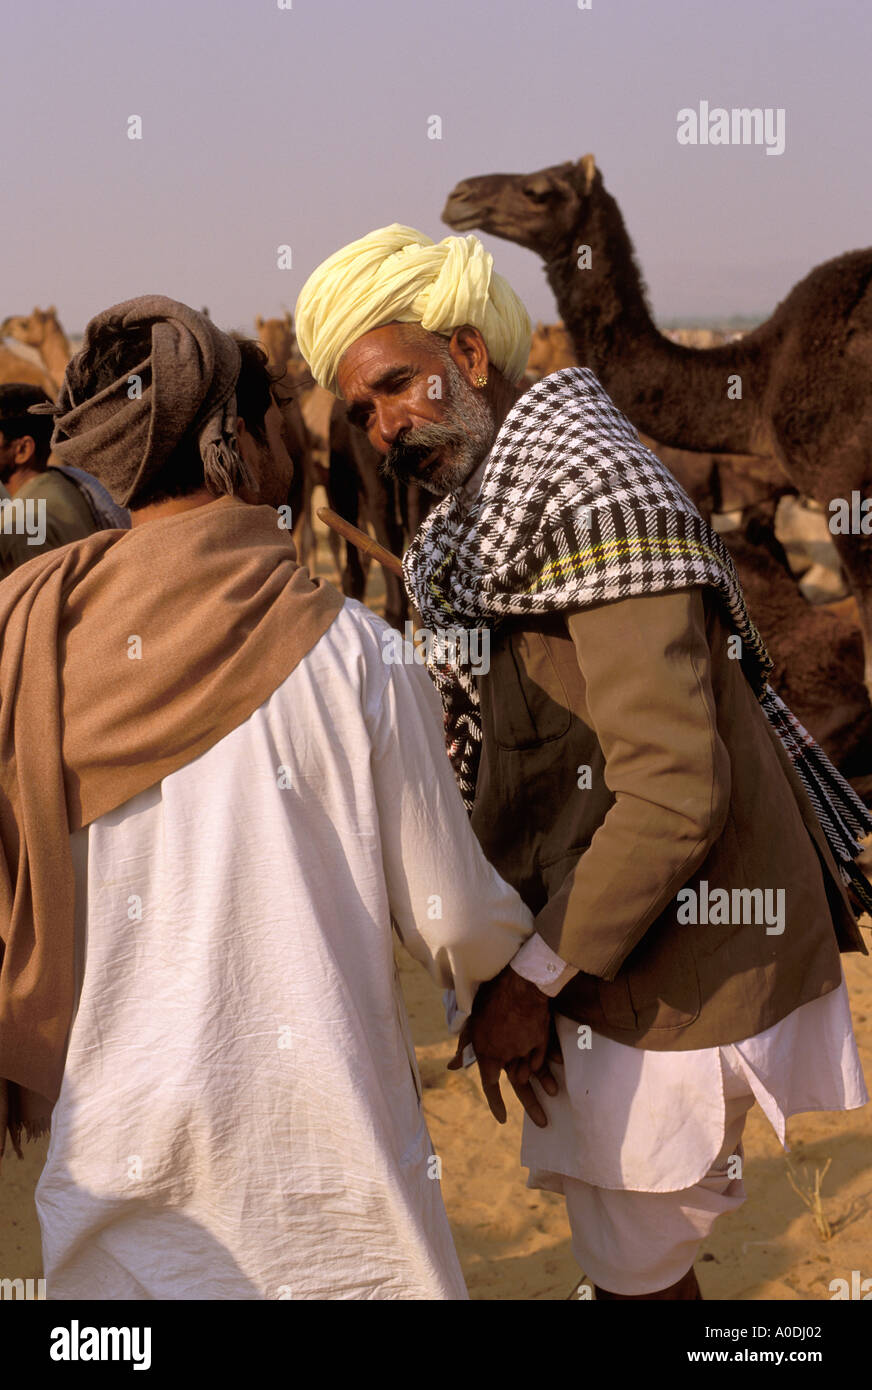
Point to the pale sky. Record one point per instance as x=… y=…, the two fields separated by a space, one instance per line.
x=308 y=127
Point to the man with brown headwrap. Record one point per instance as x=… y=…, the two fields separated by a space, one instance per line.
x=231 y=800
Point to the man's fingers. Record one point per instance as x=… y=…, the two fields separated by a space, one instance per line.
x=457 y=1060
x=519 y=1071
x=527 y=1096
x=546 y=1080
x=490 y=1084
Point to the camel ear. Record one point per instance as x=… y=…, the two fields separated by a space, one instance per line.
x=589 y=171
x=258 y=322
x=289 y=318
x=51 y=312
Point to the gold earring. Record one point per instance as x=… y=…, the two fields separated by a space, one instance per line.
x=481 y=381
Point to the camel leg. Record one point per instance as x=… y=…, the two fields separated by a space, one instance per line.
x=855 y=553
x=343 y=494
x=304 y=531
x=381 y=501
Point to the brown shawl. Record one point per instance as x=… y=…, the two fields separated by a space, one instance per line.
x=223 y=613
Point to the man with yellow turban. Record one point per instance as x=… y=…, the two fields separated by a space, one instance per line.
x=624 y=761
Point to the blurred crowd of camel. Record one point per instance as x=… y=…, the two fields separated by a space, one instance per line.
x=763 y=460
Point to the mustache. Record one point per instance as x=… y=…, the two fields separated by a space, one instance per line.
x=409 y=451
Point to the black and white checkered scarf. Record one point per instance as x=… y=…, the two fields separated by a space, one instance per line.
x=573 y=511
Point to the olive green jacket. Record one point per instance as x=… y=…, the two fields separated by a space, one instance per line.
x=624 y=759
x=68 y=517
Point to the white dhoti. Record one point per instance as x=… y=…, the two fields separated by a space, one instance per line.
x=644 y=1144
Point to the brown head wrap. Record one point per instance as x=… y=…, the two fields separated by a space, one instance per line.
x=126 y=433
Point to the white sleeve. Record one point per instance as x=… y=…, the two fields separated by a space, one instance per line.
x=543 y=967
x=451 y=909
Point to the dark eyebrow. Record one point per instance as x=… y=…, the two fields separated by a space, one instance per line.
x=391 y=377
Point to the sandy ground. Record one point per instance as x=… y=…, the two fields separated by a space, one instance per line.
x=514 y=1242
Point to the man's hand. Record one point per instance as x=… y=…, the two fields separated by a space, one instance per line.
x=511 y=1027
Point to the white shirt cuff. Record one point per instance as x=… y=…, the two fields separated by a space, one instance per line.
x=540 y=965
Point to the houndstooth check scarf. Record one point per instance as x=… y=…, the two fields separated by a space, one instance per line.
x=573 y=511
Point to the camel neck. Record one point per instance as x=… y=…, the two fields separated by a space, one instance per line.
x=55 y=353
x=684 y=397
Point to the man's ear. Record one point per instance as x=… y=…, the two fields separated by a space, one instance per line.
x=467 y=347
x=25 y=451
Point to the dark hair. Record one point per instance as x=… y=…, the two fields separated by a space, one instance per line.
x=115 y=352
x=15 y=423
x=254 y=386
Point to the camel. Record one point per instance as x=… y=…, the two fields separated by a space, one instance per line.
x=277 y=338
x=14 y=367
x=716 y=483
x=41 y=330
x=551 y=349
x=818 y=656
x=796 y=388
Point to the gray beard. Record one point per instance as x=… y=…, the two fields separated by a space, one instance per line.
x=464 y=437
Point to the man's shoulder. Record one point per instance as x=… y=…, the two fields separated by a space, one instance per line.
x=355 y=640
x=51 y=482
x=357 y=623
x=63 y=495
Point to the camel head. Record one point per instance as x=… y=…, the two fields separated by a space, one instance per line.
x=542 y=211
x=32 y=329
x=277 y=336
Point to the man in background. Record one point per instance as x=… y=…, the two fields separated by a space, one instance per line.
x=56 y=505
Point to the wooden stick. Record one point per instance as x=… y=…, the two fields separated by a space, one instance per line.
x=361 y=540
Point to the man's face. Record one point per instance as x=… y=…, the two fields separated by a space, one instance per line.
x=411 y=393
x=270 y=463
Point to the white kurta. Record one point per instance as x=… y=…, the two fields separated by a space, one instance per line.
x=240 y=1113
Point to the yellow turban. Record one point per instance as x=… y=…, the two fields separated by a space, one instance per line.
x=396 y=274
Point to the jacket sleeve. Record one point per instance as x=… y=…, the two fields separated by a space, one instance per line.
x=451 y=909
x=647 y=667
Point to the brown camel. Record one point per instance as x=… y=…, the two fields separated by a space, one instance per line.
x=41 y=330
x=277 y=338
x=803 y=376
x=14 y=367
x=716 y=482
x=551 y=349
